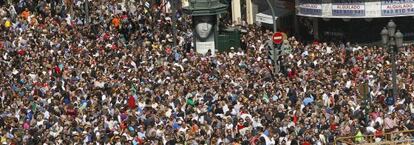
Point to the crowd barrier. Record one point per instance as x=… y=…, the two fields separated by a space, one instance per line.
x=390 y=138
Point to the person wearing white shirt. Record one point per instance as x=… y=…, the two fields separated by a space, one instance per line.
x=329 y=50
x=240 y=52
x=370 y=128
x=325 y=99
x=379 y=120
x=268 y=141
x=231 y=55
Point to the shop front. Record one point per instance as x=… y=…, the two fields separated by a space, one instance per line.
x=353 y=20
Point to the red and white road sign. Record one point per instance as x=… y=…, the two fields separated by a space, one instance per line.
x=277 y=38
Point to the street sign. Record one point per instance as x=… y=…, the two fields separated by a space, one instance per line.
x=277 y=38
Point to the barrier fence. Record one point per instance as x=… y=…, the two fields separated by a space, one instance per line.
x=391 y=138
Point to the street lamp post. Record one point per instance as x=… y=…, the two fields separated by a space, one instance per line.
x=392 y=40
x=87 y=11
x=274 y=31
x=273 y=16
x=174 y=22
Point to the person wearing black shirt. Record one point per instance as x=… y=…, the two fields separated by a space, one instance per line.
x=171 y=142
x=294 y=141
x=2 y=124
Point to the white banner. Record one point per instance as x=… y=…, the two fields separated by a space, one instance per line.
x=348 y=7
x=351 y=9
x=355 y=9
x=394 y=9
x=310 y=9
x=203 y=47
x=263 y=18
x=311 y=6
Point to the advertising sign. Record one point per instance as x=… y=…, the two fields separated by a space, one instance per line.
x=348 y=8
x=310 y=7
x=203 y=27
x=355 y=8
x=397 y=7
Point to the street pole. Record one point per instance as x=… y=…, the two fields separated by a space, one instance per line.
x=273 y=16
x=394 y=73
x=174 y=22
x=53 y=8
x=274 y=31
x=87 y=11
x=393 y=41
x=275 y=56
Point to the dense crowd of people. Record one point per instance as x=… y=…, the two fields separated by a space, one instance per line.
x=116 y=79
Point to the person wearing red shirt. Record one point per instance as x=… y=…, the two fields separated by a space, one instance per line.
x=131 y=102
x=306 y=143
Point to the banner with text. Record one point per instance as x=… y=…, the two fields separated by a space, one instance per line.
x=310 y=7
x=397 y=7
x=355 y=8
x=348 y=8
x=204 y=31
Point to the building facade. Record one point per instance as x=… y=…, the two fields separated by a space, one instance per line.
x=360 y=20
x=258 y=12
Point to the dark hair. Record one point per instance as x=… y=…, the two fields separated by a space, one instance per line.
x=205 y=19
x=261 y=141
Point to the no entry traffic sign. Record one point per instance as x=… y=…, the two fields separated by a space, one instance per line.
x=277 y=38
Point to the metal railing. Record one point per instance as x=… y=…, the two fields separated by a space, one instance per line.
x=390 y=138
